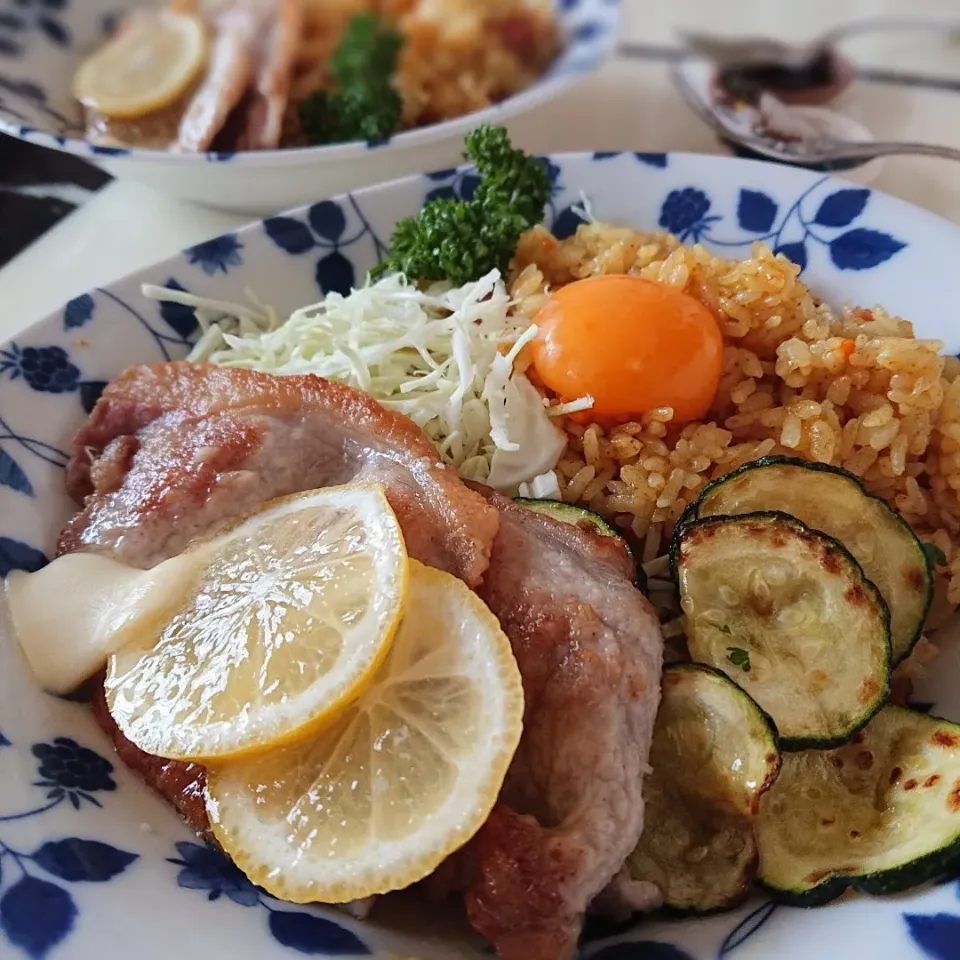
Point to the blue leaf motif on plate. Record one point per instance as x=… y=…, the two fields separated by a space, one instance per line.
x=441 y=193
x=77 y=860
x=216 y=255
x=642 y=950
x=206 y=869
x=12 y=475
x=9 y=47
x=439 y=175
x=797 y=252
x=54 y=30
x=658 y=160
x=327 y=220
x=937 y=935
x=16 y=555
x=841 y=208
x=4 y=742
x=566 y=223
x=78 y=311
x=90 y=392
x=109 y=151
x=607 y=154
x=863 y=249
x=181 y=318
x=36 y=915
x=28 y=89
x=747 y=927
x=470 y=182
x=756 y=212
x=335 y=274
x=10 y=21
x=109 y=23
x=586 y=31
x=289 y=234
x=314 y=936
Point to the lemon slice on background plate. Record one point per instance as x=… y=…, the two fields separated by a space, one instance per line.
x=404 y=777
x=291 y=614
x=148 y=64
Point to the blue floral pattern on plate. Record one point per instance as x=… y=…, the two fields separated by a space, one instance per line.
x=324 y=229
x=210 y=871
x=55 y=780
x=36 y=914
x=44 y=16
x=219 y=254
x=686 y=212
x=35 y=34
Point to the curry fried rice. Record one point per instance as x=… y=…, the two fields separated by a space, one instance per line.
x=854 y=389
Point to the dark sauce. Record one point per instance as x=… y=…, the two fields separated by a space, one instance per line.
x=746 y=83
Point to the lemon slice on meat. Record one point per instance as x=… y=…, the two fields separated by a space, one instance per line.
x=151 y=62
x=402 y=779
x=288 y=618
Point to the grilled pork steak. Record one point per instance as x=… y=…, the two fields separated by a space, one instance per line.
x=590 y=652
x=175 y=451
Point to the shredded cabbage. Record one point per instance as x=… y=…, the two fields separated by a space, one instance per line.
x=448 y=358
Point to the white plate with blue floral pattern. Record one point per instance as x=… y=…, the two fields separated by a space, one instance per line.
x=92 y=863
x=42 y=42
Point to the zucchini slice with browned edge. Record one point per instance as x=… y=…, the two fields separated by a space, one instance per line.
x=788 y=615
x=713 y=755
x=835 y=502
x=880 y=814
x=586 y=520
x=568 y=513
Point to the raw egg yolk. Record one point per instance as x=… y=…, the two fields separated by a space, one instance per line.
x=631 y=344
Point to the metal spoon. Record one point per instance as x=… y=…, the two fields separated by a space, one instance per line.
x=806 y=151
x=828 y=151
x=746 y=51
x=812 y=73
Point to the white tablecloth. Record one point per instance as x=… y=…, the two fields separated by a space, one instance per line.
x=630 y=104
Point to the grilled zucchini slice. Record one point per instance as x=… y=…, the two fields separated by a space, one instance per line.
x=789 y=616
x=567 y=513
x=880 y=814
x=586 y=520
x=834 y=501
x=714 y=753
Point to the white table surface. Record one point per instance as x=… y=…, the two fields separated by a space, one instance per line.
x=630 y=105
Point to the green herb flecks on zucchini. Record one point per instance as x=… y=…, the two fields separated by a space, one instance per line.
x=880 y=814
x=794 y=606
x=714 y=753
x=585 y=520
x=834 y=501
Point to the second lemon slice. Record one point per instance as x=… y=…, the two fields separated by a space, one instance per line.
x=292 y=612
x=405 y=776
x=151 y=61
